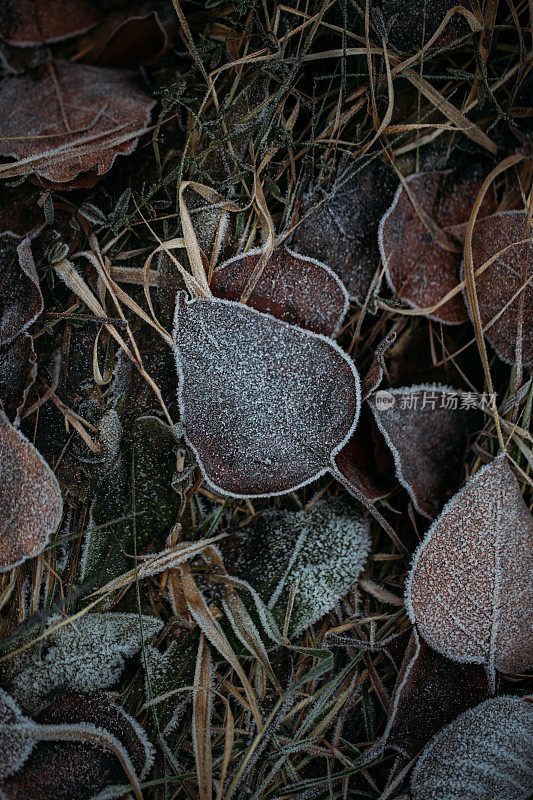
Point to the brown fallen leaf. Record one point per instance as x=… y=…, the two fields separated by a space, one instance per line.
x=498 y=284
x=292 y=288
x=339 y=226
x=67 y=122
x=421 y=261
x=427 y=432
x=470 y=588
x=28 y=23
x=80 y=744
x=126 y=39
x=18 y=370
x=266 y=405
x=484 y=754
x=30 y=498
x=21 y=300
x=430 y=691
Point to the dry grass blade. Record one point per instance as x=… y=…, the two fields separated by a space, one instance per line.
x=205 y=619
x=202 y=710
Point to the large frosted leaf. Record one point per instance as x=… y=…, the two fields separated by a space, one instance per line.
x=500 y=290
x=421 y=269
x=30 y=498
x=32 y=22
x=485 y=754
x=470 y=588
x=265 y=405
x=317 y=554
x=428 y=433
x=88 y=654
x=69 y=128
x=293 y=288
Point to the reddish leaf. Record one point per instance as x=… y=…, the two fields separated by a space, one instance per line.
x=340 y=226
x=292 y=288
x=498 y=284
x=34 y=22
x=411 y=23
x=428 y=438
x=365 y=461
x=71 y=134
x=469 y=590
x=77 y=770
x=18 y=370
x=266 y=405
x=485 y=754
x=420 y=270
x=21 y=300
x=30 y=498
x=130 y=41
x=430 y=691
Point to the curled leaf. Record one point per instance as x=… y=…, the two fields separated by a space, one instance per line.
x=293 y=288
x=427 y=432
x=21 y=300
x=339 y=226
x=30 y=498
x=82 y=744
x=83 y=656
x=28 y=23
x=469 y=590
x=430 y=691
x=421 y=260
x=126 y=39
x=482 y=755
x=265 y=405
x=18 y=370
x=505 y=288
x=68 y=127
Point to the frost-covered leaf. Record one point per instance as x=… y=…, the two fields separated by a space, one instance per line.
x=293 y=288
x=339 y=225
x=33 y=22
x=21 y=300
x=318 y=554
x=30 y=498
x=69 y=130
x=470 y=588
x=76 y=767
x=85 y=655
x=430 y=691
x=126 y=39
x=148 y=453
x=498 y=284
x=422 y=268
x=482 y=755
x=168 y=671
x=18 y=370
x=427 y=432
x=16 y=744
x=265 y=405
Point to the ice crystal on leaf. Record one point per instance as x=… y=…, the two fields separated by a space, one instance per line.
x=85 y=655
x=293 y=288
x=21 y=300
x=16 y=741
x=502 y=289
x=26 y=23
x=421 y=269
x=18 y=370
x=71 y=128
x=482 y=755
x=30 y=498
x=316 y=554
x=470 y=588
x=265 y=405
x=427 y=432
